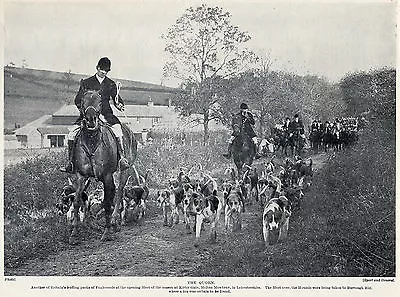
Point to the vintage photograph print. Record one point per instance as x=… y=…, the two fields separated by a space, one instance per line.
x=199 y=138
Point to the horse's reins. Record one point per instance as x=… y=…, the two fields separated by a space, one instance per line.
x=89 y=153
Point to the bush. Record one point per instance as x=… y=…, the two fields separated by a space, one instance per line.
x=358 y=203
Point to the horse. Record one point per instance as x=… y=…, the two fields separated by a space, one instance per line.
x=243 y=148
x=281 y=138
x=327 y=138
x=296 y=143
x=96 y=156
x=315 y=138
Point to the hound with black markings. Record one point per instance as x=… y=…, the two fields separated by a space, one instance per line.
x=208 y=210
x=65 y=202
x=276 y=220
x=233 y=211
x=250 y=179
x=134 y=198
x=167 y=201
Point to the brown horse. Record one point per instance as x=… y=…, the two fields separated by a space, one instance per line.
x=96 y=155
x=243 y=148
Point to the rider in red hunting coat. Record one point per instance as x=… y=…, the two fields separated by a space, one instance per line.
x=247 y=122
x=108 y=90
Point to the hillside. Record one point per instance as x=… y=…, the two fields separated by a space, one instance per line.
x=30 y=94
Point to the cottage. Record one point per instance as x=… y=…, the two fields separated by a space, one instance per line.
x=52 y=130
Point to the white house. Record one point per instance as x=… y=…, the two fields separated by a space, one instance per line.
x=52 y=130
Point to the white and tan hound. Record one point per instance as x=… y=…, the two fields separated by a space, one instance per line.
x=276 y=220
x=233 y=211
x=208 y=210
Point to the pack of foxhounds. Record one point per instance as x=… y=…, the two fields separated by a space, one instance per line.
x=200 y=199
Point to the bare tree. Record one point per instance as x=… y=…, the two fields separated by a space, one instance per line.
x=68 y=78
x=203 y=48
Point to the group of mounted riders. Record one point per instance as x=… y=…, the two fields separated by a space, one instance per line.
x=335 y=134
x=290 y=133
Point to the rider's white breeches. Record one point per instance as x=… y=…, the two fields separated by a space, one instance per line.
x=230 y=140
x=117 y=130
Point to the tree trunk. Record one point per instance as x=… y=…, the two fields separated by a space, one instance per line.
x=205 y=125
x=261 y=126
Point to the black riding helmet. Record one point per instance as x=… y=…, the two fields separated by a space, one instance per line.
x=104 y=64
x=243 y=106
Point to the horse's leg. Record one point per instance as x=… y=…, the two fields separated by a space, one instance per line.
x=124 y=211
x=116 y=216
x=109 y=192
x=77 y=204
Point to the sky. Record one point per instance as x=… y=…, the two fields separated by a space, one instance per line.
x=328 y=39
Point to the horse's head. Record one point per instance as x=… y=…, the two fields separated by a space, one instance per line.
x=91 y=107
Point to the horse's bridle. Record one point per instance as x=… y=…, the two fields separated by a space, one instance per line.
x=91 y=107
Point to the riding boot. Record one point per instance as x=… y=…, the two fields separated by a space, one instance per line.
x=229 y=153
x=69 y=168
x=123 y=162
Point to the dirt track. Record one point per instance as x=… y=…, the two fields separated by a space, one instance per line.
x=141 y=249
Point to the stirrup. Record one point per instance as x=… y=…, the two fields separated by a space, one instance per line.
x=68 y=169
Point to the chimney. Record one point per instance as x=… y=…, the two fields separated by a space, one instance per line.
x=150 y=103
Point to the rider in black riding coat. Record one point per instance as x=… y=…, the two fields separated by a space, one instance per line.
x=108 y=90
x=247 y=122
x=286 y=124
x=314 y=126
x=296 y=126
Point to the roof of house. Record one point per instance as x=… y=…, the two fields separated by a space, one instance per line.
x=152 y=111
x=28 y=128
x=53 y=130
